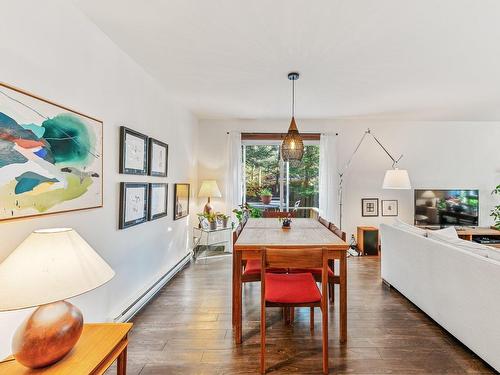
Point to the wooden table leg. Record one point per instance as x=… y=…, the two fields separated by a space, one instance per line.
x=121 y=363
x=237 y=298
x=343 y=298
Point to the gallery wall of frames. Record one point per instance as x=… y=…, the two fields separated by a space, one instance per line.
x=146 y=201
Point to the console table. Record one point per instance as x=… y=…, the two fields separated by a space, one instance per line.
x=469 y=234
x=99 y=346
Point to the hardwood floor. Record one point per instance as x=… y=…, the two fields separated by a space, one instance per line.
x=187 y=330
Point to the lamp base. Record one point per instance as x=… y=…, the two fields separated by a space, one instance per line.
x=47 y=335
x=208 y=207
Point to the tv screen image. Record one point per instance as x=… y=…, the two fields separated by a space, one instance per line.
x=444 y=208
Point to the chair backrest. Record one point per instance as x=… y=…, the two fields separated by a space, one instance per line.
x=293 y=257
x=237 y=232
x=278 y=214
x=337 y=231
x=325 y=222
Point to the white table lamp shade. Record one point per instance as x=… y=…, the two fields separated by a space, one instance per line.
x=428 y=194
x=48 y=266
x=396 y=179
x=209 y=189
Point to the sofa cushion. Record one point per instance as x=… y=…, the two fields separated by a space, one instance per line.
x=473 y=247
x=449 y=232
x=409 y=228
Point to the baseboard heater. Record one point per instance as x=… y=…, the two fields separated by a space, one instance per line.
x=145 y=297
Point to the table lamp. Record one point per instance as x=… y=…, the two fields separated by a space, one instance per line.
x=209 y=189
x=46 y=268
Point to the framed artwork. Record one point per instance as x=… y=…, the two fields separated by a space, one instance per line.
x=50 y=157
x=158 y=198
x=369 y=207
x=158 y=158
x=133 y=204
x=181 y=200
x=133 y=152
x=389 y=208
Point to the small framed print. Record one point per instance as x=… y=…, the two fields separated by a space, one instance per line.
x=158 y=158
x=158 y=193
x=133 y=152
x=181 y=200
x=133 y=204
x=389 y=208
x=369 y=207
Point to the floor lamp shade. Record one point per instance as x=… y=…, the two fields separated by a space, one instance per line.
x=397 y=179
x=50 y=265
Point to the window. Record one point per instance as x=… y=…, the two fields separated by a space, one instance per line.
x=287 y=183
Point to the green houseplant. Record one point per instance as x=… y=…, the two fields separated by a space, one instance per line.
x=248 y=211
x=265 y=196
x=211 y=218
x=224 y=218
x=495 y=212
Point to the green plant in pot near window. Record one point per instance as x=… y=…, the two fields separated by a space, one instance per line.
x=265 y=196
x=224 y=219
x=211 y=218
x=495 y=212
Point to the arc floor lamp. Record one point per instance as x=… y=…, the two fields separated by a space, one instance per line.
x=395 y=178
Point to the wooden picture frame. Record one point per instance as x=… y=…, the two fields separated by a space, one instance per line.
x=390 y=207
x=157 y=158
x=133 y=204
x=133 y=152
x=158 y=201
x=181 y=200
x=369 y=207
x=44 y=170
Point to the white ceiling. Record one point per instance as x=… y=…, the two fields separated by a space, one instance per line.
x=384 y=59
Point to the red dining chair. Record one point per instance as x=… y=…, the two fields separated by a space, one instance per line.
x=294 y=290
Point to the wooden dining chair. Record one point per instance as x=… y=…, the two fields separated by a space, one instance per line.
x=323 y=221
x=294 y=290
x=278 y=214
x=337 y=231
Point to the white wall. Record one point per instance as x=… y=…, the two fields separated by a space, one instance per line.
x=436 y=154
x=51 y=49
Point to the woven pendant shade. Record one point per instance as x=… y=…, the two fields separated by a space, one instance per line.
x=292 y=147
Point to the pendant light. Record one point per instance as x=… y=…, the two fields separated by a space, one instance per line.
x=292 y=147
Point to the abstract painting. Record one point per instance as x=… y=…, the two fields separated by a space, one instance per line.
x=133 y=204
x=181 y=201
x=369 y=207
x=158 y=158
x=158 y=193
x=133 y=152
x=50 y=157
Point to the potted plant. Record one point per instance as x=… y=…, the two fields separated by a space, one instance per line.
x=211 y=218
x=247 y=211
x=495 y=212
x=265 y=196
x=223 y=218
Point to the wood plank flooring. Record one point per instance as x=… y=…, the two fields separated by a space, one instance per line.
x=187 y=330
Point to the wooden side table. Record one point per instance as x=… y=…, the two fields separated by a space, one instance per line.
x=368 y=240
x=99 y=346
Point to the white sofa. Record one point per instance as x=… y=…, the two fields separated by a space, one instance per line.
x=460 y=290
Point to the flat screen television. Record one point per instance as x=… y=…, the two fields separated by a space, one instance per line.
x=444 y=208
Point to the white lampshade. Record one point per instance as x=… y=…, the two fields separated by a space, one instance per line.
x=209 y=189
x=428 y=194
x=396 y=179
x=48 y=266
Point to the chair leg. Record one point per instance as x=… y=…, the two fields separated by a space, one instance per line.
x=292 y=315
x=263 y=340
x=311 y=319
x=324 y=329
x=331 y=292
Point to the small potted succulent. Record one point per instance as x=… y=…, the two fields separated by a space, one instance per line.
x=224 y=219
x=286 y=221
x=265 y=196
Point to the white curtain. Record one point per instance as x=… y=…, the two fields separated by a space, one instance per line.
x=234 y=180
x=328 y=177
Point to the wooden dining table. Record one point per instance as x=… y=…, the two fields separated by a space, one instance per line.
x=268 y=233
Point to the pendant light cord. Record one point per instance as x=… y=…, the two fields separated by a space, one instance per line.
x=293 y=97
